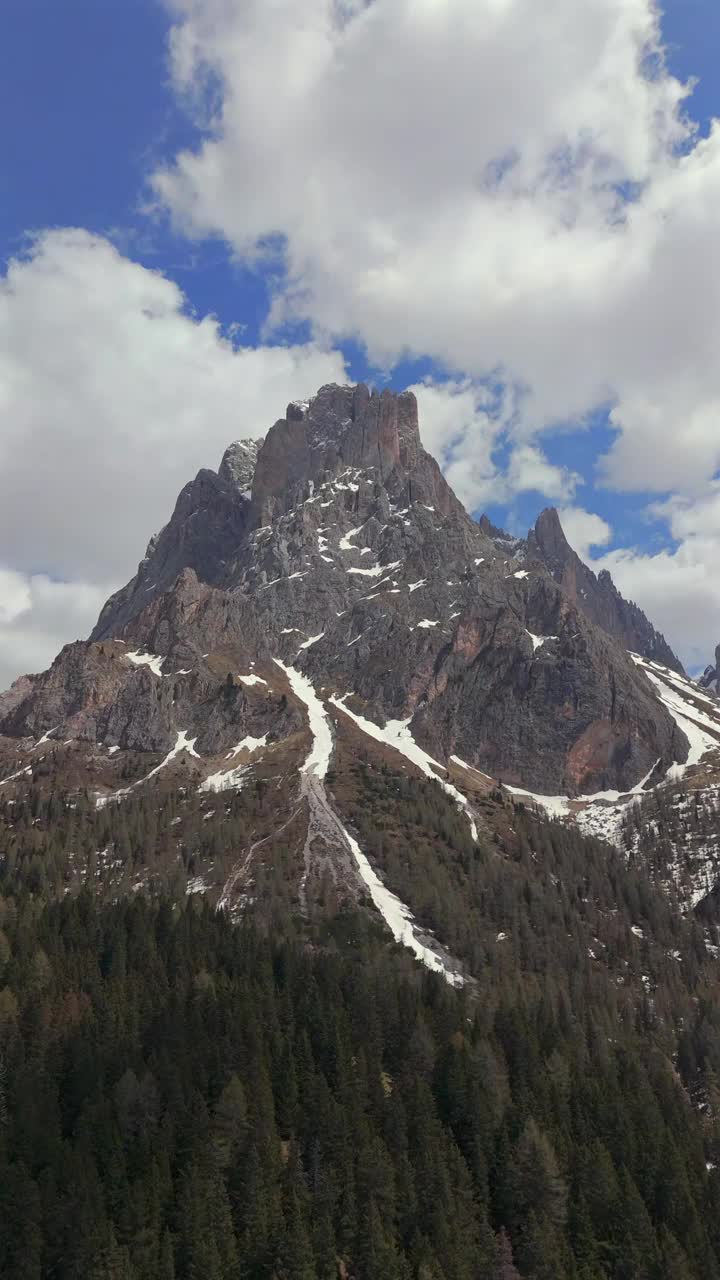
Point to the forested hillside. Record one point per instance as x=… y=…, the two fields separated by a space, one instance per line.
x=186 y=1098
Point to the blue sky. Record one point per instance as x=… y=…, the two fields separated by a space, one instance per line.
x=97 y=112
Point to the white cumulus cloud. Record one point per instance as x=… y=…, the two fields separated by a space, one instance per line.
x=584 y=529
x=511 y=188
x=465 y=425
x=112 y=396
x=38 y=616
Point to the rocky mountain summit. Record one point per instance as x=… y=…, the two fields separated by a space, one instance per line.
x=595 y=594
x=337 y=547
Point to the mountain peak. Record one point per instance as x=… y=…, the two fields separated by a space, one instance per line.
x=345 y=427
x=596 y=594
x=238 y=463
x=336 y=548
x=549 y=535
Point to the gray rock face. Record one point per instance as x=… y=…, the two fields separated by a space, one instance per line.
x=209 y=523
x=710 y=679
x=596 y=595
x=353 y=560
x=238 y=464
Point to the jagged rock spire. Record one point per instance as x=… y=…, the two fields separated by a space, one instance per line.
x=238 y=464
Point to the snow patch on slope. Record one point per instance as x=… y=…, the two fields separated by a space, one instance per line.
x=151 y=660
x=675 y=693
x=229 y=780
x=539 y=641
x=397 y=917
x=18 y=774
x=345 y=544
x=560 y=806
x=306 y=644
x=45 y=738
x=248 y=744
x=394 y=912
x=377 y=570
x=318 y=759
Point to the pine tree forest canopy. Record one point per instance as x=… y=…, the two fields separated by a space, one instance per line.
x=294 y=1098
x=181 y=1097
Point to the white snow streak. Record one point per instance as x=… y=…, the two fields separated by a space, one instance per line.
x=45 y=738
x=397 y=916
x=539 y=641
x=375 y=572
x=318 y=758
x=396 y=734
x=183 y=743
x=18 y=774
x=230 y=779
x=470 y=767
x=248 y=744
x=344 y=542
x=312 y=640
x=688 y=717
x=394 y=912
x=559 y=806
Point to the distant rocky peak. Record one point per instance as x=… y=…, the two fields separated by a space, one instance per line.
x=549 y=537
x=710 y=679
x=505 y=542
x=238 y=464
x=595 y=595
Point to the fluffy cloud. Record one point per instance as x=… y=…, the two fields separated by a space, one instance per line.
x=15 y=597
x=530 y=470
x=466 y=426
x=510 y=188
x=112 y=396
x=38 y=616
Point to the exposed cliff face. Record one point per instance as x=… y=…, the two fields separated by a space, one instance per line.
x=337 y=547
x=210 y=521
x=596 y=595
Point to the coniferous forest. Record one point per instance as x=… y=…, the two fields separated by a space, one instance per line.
x=186 y=1098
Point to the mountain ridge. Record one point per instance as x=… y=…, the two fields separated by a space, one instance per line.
x=322 y=611
x=340 y=507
